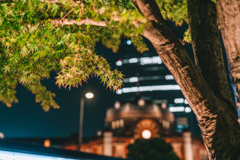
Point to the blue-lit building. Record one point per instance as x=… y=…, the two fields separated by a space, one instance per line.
x=147 y=76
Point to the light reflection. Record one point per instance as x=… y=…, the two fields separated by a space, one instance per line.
x=8 y=155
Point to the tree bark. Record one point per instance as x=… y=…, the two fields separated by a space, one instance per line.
x=229 y=17
x=208 y=51
x=215 y=114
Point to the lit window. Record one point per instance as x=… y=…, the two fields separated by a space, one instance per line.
x=148 y=88
x=119 y=91
x=177 y=109
x=150 y=60
x=119 y=63
x=121 y=123
x=178 y=100
x=146 y=134
x=133 y=60
x=133 y=79
x=113 y=125
x=169 y=77
x=166 y=124
x=117 y=124
x=188 y=109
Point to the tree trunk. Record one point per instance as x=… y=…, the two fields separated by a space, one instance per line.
x=215 y=114
x=208 y=52
x=229 y=17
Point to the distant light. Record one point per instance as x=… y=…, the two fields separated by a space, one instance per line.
x=148 y=88
x=176 y=109
x=133 y=79
x=178 y=100
x=99 y=133
x=146 y=134
x=169 y=77
x=89 y=95
x=150 y=60
x=143 y=60
x=117 y=105
x=141 y=102
x=164 y=105
x=188 y=109
x=129 y=42
x=47 y=143
x=119 y=91
x=133 y=60
x=119 y=63
x=1 y=135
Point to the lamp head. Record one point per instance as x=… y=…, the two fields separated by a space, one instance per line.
x=89 y=95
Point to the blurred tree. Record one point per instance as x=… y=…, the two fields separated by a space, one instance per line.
x=154 y=149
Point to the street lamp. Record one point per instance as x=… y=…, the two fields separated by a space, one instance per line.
x=88 y=95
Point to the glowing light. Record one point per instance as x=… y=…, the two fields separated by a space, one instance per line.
x=47 y=143
x=148 y=88
x=169 y=77
x=188 y=109
x=121 y=123
x=119 y=91
x=143 y=60
x=176 y=109
x=99 y=133
x=117 y=105
x=119 y=63
x=164 y=105
x=150 y=60
x=146 y=134
x=89 y=95
x=133 y=60
x=129 y=42
x=1 y=135
x=178 y=100
x=133 y=79
x=141 y=102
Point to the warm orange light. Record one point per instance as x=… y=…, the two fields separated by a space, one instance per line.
x=47 y=143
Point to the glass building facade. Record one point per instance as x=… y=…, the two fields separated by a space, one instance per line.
x=146 y=76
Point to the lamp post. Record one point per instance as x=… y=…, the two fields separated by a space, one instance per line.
x=88 y=95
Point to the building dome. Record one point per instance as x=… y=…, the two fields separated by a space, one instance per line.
x=134 y=117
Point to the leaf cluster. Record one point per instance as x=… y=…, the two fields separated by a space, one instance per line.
x=32 y=46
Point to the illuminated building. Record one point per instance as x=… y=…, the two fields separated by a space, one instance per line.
x=147 y=76
x=128 y=121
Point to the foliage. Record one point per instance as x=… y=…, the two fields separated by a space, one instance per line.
x=154 y=149
x=174 y=10
x=34 y=40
